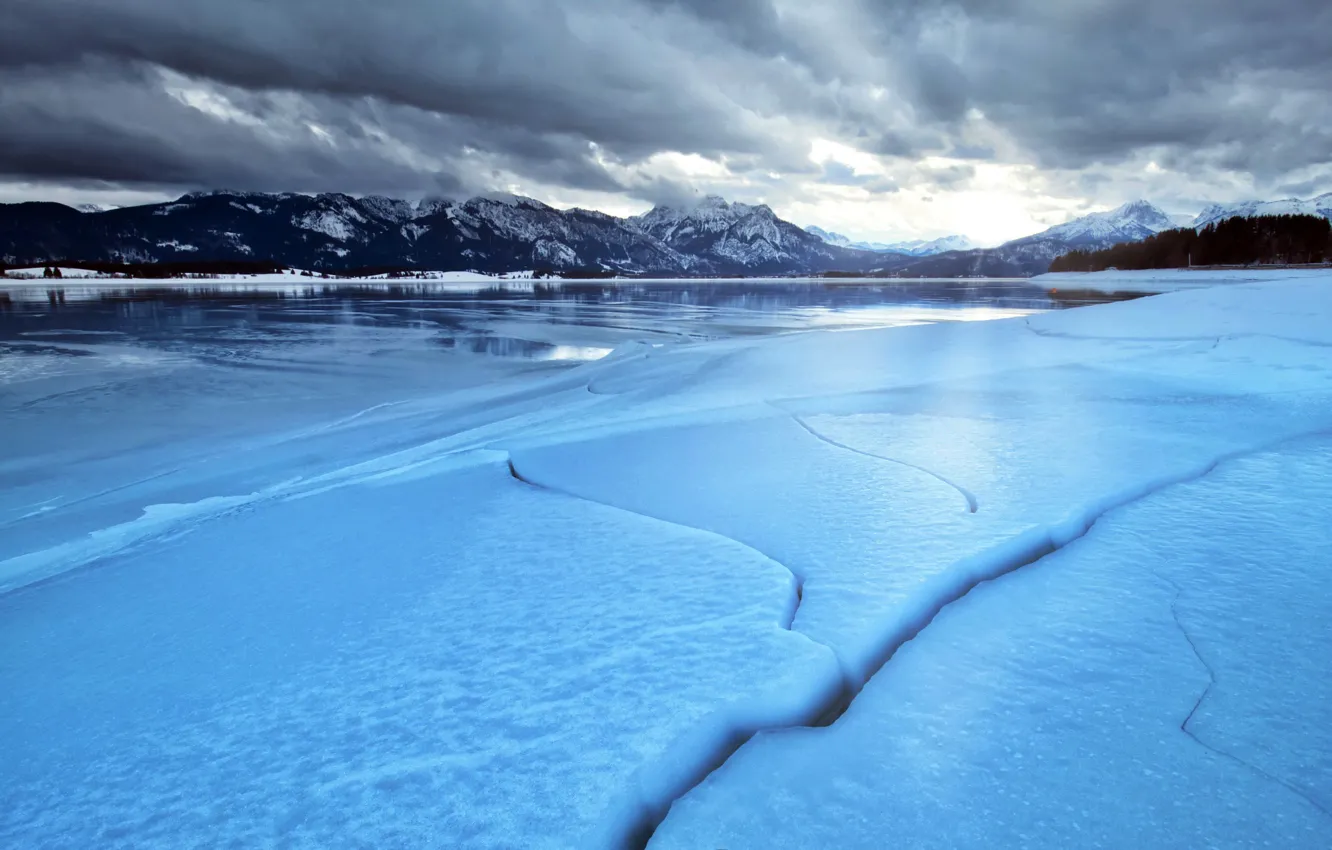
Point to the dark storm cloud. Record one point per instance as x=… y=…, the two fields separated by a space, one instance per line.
x=97 y=122
x=753 y=24
x=557 y=67
x=426 y=95
x=1076 y=83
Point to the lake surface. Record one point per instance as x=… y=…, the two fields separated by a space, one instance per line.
x=115 y=395
x=238 y=324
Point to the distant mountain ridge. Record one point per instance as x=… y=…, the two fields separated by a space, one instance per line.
x=1132 y=222
x=504 y=233
x=494 y=234
x=1319 y=206
x=912 y=248
x=1031 y=255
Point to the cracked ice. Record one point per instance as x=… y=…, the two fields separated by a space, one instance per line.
x=1053 y=581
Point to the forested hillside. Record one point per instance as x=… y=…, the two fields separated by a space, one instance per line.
x=1273 y=239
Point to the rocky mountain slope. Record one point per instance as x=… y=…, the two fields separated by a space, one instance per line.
x=336 y=233
x=494 y=234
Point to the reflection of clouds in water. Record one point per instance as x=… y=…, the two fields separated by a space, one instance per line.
x=577 y=352
x=897 y=315
x=27 y=367
x=30 y=361
x=526 y=349
x=335 y=326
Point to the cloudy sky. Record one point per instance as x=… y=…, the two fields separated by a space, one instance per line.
x=878 y=118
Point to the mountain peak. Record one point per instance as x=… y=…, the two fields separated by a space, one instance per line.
x=1127 y=223
x=1136 y=208
x=913 y=247
x=507 y=198
x=1212 y=213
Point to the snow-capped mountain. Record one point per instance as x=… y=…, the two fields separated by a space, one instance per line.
x=1032 y=255
x=1129 y=223
x=502 y=233
x=912 y=248
x=930 y=247
x=495 y=233
x=831 y=238
x=740 y=236
x=1321 y=206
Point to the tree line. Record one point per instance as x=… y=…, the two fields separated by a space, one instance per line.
x=184 y=268
x=1268 y=239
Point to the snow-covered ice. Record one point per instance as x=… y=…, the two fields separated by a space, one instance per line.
x=329 y=587
x=1159 y=683
x=472 y=660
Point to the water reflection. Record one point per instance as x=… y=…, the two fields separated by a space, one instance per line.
x=528 y=320
x=507 y=346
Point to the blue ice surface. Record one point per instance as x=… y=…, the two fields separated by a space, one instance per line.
x=1160 y=683
x=424 y=608
x=874 y=510
x=449 y=659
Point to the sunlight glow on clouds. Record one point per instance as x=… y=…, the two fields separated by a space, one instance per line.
x=879 y=119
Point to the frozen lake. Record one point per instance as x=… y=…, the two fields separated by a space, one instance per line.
x=511 y=319
x=165 y=383
x=686 y=564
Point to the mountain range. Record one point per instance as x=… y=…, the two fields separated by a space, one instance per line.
x=339 y=233
x=1321 y=206
x=913 y=248
x=1132 y=222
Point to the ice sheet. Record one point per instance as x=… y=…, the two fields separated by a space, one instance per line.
x=895 y=502
x=331 y=596
x=460 y=659
x=1162 y=682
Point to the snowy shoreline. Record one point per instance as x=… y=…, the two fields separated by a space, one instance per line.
x=1170 y=280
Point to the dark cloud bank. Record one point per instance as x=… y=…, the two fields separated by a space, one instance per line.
x=429 y=97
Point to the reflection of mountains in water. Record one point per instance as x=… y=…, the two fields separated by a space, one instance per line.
x=482 y=321
x=758 y=295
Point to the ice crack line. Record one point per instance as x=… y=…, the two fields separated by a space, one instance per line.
x=1001 y=559
x=972 y=504
x=1026 y=556
x=1202 y=697
x=821 y=712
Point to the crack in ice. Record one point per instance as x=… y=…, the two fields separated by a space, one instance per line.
x=973 y=505
x=654 y=812
x=1202 y=697
x=1026 y=553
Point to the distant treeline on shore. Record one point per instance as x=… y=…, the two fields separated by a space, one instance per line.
x=241 y=268
x=1266 y=240
x=193 y=268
